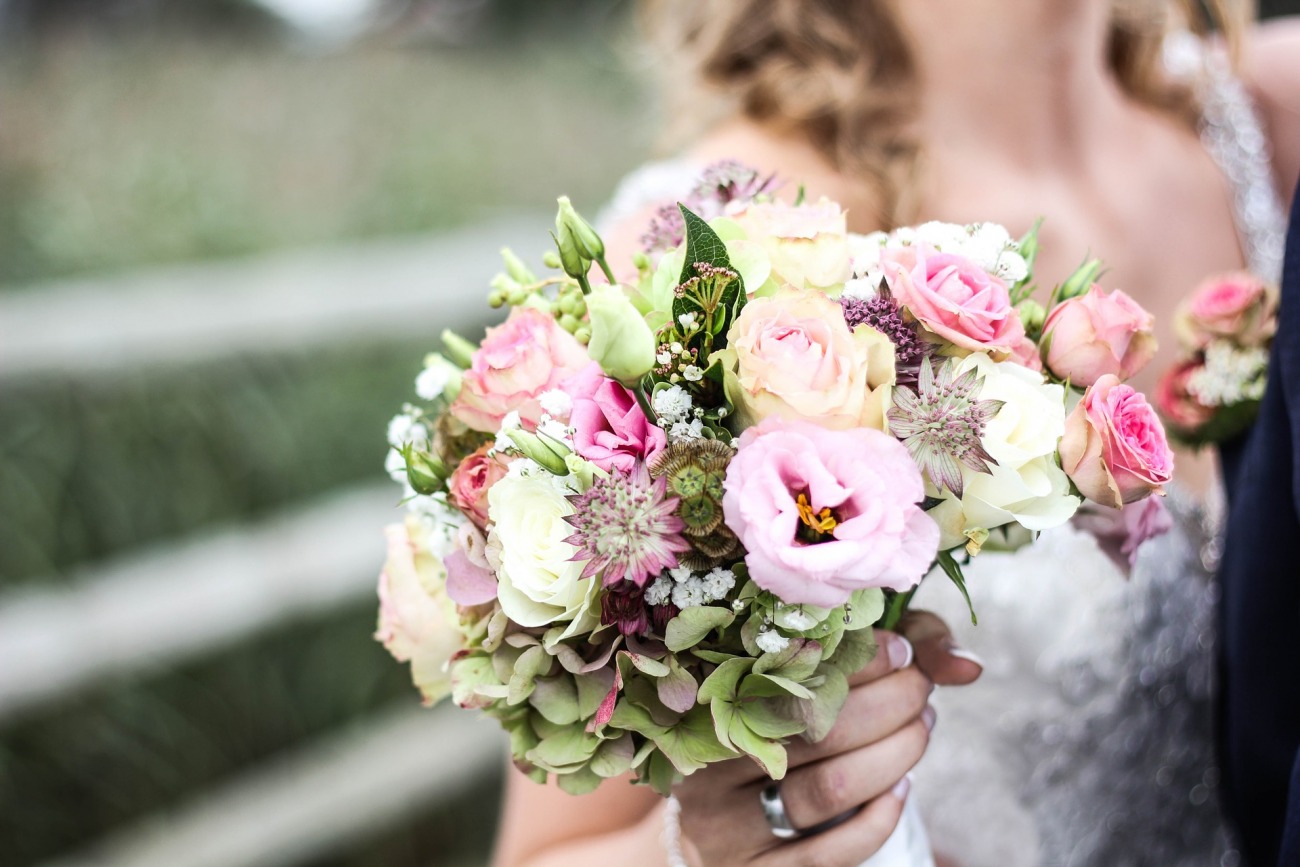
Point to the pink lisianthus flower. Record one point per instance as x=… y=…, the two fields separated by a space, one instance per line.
x=1121 y=533
x=823 y=513
x=609 y=428
x=469 y=483
x=954 y=298
x=1097 y=333
x=1236 y=305
x=1114 y=447
x=518 y=360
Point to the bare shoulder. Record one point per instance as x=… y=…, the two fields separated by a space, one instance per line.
x=1273 y=73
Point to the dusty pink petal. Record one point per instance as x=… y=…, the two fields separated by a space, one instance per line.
x=468 y=584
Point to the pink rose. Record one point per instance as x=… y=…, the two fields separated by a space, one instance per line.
x=418 y=623
x=518 y=360
x=823 y=513
x=610 y=430
x=1235 y=305
x=1121 y=532
x=1097 y=333
x=954 y=298
x=1114 y=447
x=469 y=483
x=1176 y=403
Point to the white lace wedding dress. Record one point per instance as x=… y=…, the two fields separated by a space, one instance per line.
x=1088 y=739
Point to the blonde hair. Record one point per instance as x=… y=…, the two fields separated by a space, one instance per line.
x=840 y=73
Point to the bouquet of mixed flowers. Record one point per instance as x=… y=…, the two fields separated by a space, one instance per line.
x=1226 y=328
x=655 y=514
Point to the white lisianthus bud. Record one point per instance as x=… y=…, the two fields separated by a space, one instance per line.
x=621 y=342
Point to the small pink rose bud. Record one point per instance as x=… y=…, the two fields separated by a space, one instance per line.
x=1098 y=333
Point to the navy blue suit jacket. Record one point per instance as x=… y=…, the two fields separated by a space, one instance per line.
x=1260 y=604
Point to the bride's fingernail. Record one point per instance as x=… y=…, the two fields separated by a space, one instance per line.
x=928 y=717
x=902 y=787
x=899 y=650
x=963 y=653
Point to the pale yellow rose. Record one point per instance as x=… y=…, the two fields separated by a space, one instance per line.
x=807 y=245
x=793 y=356
x=418 y=623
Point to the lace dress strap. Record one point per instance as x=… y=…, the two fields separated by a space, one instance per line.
x=1233 y=133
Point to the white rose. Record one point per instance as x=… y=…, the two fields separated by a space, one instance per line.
x=807 y=245
x=539 y=583
x=1026 y=486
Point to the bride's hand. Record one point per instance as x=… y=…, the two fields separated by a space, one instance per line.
x=860 y=766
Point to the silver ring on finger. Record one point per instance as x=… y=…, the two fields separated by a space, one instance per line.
x=775 y=813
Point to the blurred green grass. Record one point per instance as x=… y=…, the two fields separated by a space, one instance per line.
x=121 y=153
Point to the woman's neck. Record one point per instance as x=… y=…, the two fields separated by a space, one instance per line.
x=1025 y=79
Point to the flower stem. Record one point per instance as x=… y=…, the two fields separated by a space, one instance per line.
x=895 y=608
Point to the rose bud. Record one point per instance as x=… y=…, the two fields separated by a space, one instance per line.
x=1098 y=333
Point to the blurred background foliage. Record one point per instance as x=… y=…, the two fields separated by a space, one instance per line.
x=135 y=133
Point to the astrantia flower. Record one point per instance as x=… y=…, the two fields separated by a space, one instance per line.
x=721 y=184
x=941 y=423
x=627 y=527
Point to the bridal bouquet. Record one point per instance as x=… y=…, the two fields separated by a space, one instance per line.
x=655 y=513
x=1225 y=328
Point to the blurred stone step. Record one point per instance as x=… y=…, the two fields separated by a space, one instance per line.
x=317 y=800
x=396 y=288
x=154 y=609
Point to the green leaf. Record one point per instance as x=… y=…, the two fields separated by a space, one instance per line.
x=827 y=702
x=952 y=569
x=772 y=686
x=661 y=774
x=644 y=664
x=613 y=757
x=592 y=689
x=717 y=657
x=799 y=660
x=691 y=626
x=635 y=718
x=856 y=648
x=865 y=608
x=533 y=662
x=723 y=683
x=772 y=718
x=702 y=245
x=678 y=688
x=564 y=749
x=692 y=743
x=583 y=781
x=556 y=699
x=770 y=755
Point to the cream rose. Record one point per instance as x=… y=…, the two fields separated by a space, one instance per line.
x=538 y=581
x=807 y=245
x=1026 y=486
x=418 y=623
x=793 y=356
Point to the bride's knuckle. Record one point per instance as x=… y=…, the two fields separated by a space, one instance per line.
x=827 y=789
